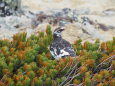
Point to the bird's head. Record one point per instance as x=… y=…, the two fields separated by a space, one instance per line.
x=57 y=32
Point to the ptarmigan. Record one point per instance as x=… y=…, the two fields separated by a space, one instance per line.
x=59 y=47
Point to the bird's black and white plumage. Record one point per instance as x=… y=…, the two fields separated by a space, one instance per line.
x=59 y=47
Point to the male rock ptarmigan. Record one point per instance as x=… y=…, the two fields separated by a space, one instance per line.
x=59 y=47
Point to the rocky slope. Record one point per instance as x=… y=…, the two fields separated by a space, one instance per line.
x=37 y=14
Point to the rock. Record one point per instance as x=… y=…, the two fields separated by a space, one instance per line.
x=63 y=23
x=7 y=34
x=91 y=30
x=57 y=17
x=10 y=7
x=109 y=12
x=14 y=4
x=85 y=11
x=66 y=10
x=5 y=9
x=94 y=6
x=11 y=22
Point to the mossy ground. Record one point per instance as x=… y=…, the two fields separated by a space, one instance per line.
x=28 y=62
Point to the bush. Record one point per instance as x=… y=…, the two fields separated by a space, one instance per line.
x=28 y=62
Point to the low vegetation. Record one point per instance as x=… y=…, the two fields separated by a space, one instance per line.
x=28 y=62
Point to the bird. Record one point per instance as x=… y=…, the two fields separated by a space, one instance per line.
x=60 y=48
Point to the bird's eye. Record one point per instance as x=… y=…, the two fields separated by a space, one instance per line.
x=59 y=31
